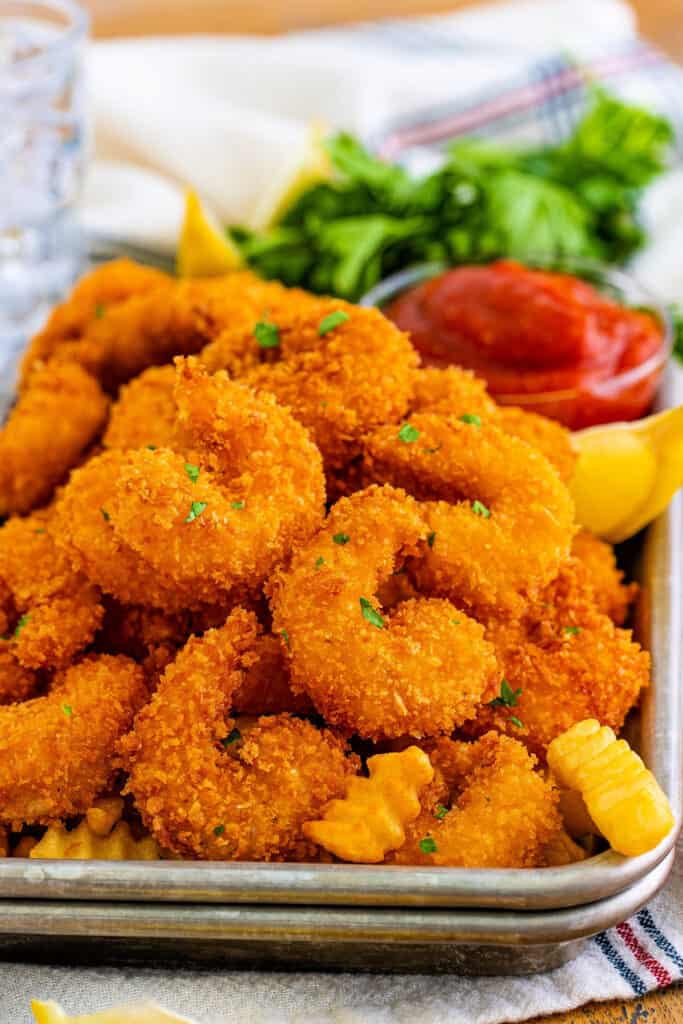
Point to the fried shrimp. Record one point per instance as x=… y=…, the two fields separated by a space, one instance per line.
x=55 y=419
x=486 y=808
x=341 y=369
x=52 y=613
x=500 y=519
x=178 y=318
x=568 y=661
x=206 y=790
x=612 y=595
x=457 y=392
x=95 y=294
x=16 y=682
x=145 y=412
x=421 y=669
x=57 y=751
x=266 y=685
x=245 y=487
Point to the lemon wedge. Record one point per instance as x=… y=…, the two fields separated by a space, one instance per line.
x=305 y=168
x=51 y=1013
x=204 y=250
x=627 y=473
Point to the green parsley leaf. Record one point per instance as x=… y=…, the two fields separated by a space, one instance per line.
x=440 y=812
x=100 y=310
x=192 y=472
x=572 y=630
x=219 y=830
x=233 y=736
x=267 y=334
x=196 y=509
x=431 y=537
x=332 y=320
x=370 y=613
x=319 y=561
x=469 y=417
x=151 y=447
x=21 y=623
x=427 y=845
x=480 y=509
x=105 y=515
x=41 y=530
x=237 y=505
x=508 y=697
x=285 y=636
x=68 y=710
x=408 y=433
x=455 y=622
x=516 y=721
x=341 y=538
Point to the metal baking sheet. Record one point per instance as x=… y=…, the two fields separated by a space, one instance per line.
x=363 y=885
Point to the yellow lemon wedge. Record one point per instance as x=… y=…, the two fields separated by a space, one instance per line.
x=51 y=1013
x=306 y=168
x=204 y=250
x=627 y=473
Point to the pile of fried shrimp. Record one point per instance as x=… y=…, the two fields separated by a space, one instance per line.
x=256 y=561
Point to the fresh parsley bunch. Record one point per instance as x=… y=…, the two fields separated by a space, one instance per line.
x=578 y=199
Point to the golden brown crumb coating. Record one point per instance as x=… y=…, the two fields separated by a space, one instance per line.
x=422 y=668
x=207 y=790
x=57 y=751
x=488 y=807
x=612 y=595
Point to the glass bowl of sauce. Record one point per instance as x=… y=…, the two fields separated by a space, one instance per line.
x=580 y=343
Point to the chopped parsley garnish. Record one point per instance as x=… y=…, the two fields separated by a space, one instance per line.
x=440 y=812
x=319 y=561
x=455 y=622
x=41 y=530
x=100 y=310
x=285 y=636
x=105 y=515
x=431 y=537
x=233 y=736
x=508 y=697
x=332 y=320
x=408 y=433
x=192 y=472
x=267 y=334
x=21 y=623
x=68 y=710
x=151 y=447
x=237 y=505
x=196 y=509
x=516 y=721
x=219 y=830
x=469 y=417
x=572 y=630
x=341 y=538
x=480 y=509
x=370 y=614
x=427 y=845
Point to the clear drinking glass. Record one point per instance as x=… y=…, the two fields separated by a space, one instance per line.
x=42 y=156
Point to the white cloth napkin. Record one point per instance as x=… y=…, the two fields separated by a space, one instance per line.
x=224 y=115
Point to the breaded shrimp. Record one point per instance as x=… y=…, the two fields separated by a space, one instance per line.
x=500 y=519
x=341 y=369
x=178 y=318
x=457 y=392
x=54 y=612
x=265 y=688
x=569 y=661
x=612 y=595
x=205 y=789
x=422 y=669
x=95 y=294
x=55 y=419
x=245 y=487
x=57 y=751
x=486 y=808
x=144 y=413
x=16 y=682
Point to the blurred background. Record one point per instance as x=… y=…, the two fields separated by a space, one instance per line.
x=660 y=20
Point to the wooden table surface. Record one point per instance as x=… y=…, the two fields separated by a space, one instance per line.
x=660 y=20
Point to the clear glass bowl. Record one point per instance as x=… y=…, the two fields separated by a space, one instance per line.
x=624 y=396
